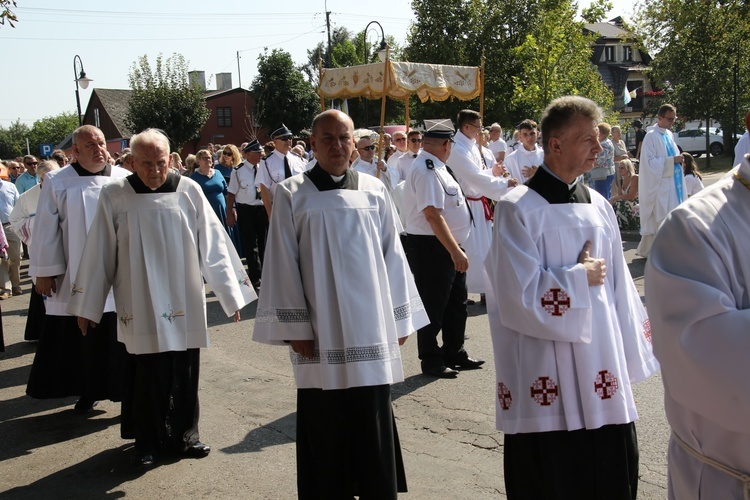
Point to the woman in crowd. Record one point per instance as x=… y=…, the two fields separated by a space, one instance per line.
x=213 y=185
x=693 y=178
x=604 y=170
x=229 y=158
x=190 y=162
x=625 y=199
x=176 y=164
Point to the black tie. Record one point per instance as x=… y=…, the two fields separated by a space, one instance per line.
x=287 y=170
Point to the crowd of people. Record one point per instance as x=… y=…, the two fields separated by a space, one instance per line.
x=350 y=250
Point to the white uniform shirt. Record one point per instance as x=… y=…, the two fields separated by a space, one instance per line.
x=271 y=169
x=404 y=163
x=242 y=184
x=434 y=187
x=393 y=160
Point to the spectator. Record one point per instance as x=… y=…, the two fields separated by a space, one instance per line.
x=625 y=198
x=693 y=178
x=604 y=170
x=212 y=184
x=28 y=179
x=11 y=265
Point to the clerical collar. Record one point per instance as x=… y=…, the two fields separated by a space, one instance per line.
x=169 y=186
x=553 y=189
x=570 y=186
x=324 y=181
x=106 y=171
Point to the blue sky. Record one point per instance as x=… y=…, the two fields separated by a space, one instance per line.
x=110 y=36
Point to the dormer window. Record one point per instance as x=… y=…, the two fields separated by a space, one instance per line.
x=609 y=53
x=627 y=53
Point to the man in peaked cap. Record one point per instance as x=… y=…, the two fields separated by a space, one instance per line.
x=438 y=221
x=245 y=208
x=279 y=165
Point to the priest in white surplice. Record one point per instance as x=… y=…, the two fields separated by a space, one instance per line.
x=155 y=238
x=481 y=183
x=526 y=158
x=66 y=364
x=337 y=288
x=661 y=184
x=569 y=331
x=698 y=298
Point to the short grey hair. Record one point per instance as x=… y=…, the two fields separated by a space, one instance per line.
x=45 y=167
x=150 y=135
x=562 y=111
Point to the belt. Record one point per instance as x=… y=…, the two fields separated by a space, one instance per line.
x=740 y=476
x=486 y=205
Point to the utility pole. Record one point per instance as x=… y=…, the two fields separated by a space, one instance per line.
x=328 y=27
x=239 y=75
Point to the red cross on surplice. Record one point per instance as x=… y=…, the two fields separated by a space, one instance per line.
x=556 y=302
x=605 y=384
x=544 y=391
x=503 y=396
x=647 y=330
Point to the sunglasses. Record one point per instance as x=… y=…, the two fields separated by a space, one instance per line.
x=32 y=163
x=284 y=138
x=227 y=153
x=368 y=148
x=400 y=139
x=14 y=168
x=415 y=141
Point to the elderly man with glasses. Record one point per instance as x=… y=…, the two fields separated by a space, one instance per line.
x=277 y=166
x=28 y=179
x=399 y=140
x=414 y=143
x=367 y=164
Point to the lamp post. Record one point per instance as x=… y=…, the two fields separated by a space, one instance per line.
x=381 y=52
x=80 y=78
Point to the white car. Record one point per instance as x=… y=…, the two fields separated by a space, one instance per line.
x=693 y=141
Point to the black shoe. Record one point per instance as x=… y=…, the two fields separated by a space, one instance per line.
x=468 y=364
x=143 y=459
x=198 y=450
x=440 y=372
x=85 y=405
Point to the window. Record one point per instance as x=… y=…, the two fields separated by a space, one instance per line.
x=225 y=116
x=627 y=53
x=609 y=53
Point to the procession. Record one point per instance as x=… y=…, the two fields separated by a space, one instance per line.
x=431 y=302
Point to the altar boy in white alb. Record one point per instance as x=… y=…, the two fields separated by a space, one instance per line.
x=569 y=331
x=154 y=238
x=698 y=297
x=337 y=288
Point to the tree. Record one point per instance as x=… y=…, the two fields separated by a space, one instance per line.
x=697 y=44
x=6 y=14
x=164 y=97
x=557 y=62
x=52 y=130
x=13 y=140
x=282 y=93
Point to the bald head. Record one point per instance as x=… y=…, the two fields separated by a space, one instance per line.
x=332 y=140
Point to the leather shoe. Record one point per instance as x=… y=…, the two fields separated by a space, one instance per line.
x=468 y=364
x=441 y=372
x=198 y=450
x=85 y=405
x=143 y=459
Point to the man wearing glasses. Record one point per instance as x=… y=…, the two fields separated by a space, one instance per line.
x=279 y=165
x=399 y=140
x=661 y=182
x=367 y=164
x=414 y=143
x=28 y=179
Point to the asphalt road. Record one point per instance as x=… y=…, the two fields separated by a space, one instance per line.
x=447 y=427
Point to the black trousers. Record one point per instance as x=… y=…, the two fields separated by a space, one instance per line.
x=253 y=222
x=347 y=445
x=587 y=464
x=160 y=409
x=443 y=292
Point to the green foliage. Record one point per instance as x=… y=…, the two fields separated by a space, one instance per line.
x=164 y=98
x=698 y=44
x=6 y=14
x=51 y=130
x=13 y=140
x=282 y=94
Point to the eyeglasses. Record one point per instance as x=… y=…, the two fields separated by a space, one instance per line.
x=28 y=164
x=475 y=126
x=227 y=153
x=14 y=168
x=368 y=148
x=415 y=141
x=400 y=139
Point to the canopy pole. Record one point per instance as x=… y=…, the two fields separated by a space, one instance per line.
x=386 y=67
x=481 y=104
x=320 y=82
x=407 y=114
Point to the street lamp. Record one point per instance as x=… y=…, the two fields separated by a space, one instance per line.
x=382 y=52
x=83 y=81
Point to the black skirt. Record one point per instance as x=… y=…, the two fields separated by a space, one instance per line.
x=36 y=315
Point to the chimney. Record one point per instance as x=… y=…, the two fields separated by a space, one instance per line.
x=223 y=81
x=197 y=77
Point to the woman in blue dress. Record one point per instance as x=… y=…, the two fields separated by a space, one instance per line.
x=213 y=185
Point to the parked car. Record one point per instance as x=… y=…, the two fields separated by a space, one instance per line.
x=693 y=141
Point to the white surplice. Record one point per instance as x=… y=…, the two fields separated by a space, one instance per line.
x=698 y=298
x=476 y=181
x=742 y=148
x=520 y=158
x=335 y=272
x=23 y=214
x=566 y=353
x=371 y=168
x=66 y=209
x=155 y=249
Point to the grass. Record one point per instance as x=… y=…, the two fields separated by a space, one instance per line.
x=718 y=163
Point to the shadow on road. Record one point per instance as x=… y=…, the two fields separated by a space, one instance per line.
x=279 y=432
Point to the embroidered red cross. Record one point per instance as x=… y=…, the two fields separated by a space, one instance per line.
x=556 y=302
x=605 y=384
x=544 y=391
x=647 y=330
x=503 y=396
